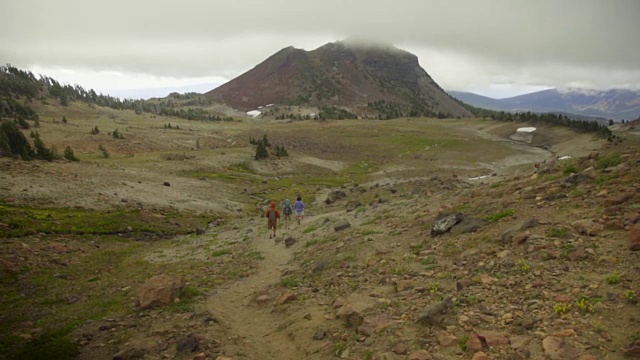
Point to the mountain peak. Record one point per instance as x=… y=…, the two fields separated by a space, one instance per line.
x=351 y=73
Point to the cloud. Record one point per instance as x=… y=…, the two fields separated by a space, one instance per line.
x=460 y=43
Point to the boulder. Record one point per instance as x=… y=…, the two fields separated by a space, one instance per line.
x=158 y=291
x=558 y=348
x=341 y=225
x=335 y=196
x=435 y=313
x=445 y=222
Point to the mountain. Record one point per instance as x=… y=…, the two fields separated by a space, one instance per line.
x=363 y=78
x=614 y=104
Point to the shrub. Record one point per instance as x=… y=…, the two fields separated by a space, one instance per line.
x=48 y=347
x=69 y=155
x=41 y=150
x=104 y=151
x=613 y=279
x=604 y=162
x=13 y=142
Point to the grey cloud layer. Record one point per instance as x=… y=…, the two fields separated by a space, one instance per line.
x=203 y=38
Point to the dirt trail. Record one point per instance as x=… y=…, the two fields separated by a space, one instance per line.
x=252 y=328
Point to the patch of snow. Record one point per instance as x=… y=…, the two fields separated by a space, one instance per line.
x=564 y=157
x=479 y=177
x=253 y=113
x=526 y=129
x=270 y=105
x=259 y=107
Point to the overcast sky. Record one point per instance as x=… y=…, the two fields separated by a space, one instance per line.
x=493 y=47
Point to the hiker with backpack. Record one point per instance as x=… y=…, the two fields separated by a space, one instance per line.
x=299 y=206
x=272 y=215
x=287 y=210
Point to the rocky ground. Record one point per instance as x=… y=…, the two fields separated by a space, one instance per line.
x=518 y=265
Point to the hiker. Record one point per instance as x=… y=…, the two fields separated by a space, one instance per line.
x=287 y=211
x=272 y=216
x=299 y=206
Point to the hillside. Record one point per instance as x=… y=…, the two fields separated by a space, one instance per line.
x=366 y=79
x=614 y=104
x=539 y=265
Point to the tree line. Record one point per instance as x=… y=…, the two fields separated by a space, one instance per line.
x=15 y=82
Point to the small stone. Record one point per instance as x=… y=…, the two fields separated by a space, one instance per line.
x=420 y=355
x=480 y=356
x=400 y=349
x=557 y=348
x=286 y=298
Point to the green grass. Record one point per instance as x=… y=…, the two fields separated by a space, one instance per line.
x=500 y=215
x=220 y=252
x=49 y=346
x=24 y=221
x=309 y=229
x=606 y=161
x=290 y=282
x=558 y=232
x=613 y=279
x=313 y=242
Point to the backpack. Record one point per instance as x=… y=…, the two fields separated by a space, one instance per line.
x=287 y=210
x=272 y=215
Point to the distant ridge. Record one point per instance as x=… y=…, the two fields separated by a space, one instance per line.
x=363 y=78
x=616 y=104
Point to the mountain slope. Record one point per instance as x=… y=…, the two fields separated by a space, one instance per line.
x=340 y=74
x=614 y=104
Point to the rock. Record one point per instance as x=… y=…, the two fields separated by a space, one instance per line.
x=474 y=343
x=288 y=242
x=286 y=298
x=558 y=348
x=420 y=355
x=341 y=225
x=578 y=255
x=446 y=340
x=633 y=349
x=590 y=172
x=576 y=179
x=403 y=285
x=468 y=224
x=352 y=205
x=401 y=349
x=365 y=330
x=493 y=338
x=521 y=237
x=262 y=299
x=319 y=334
x=444 y=223
x=631 y=218
x=351 y=316
x=465 y=283
x=199 y=231
x=435 y=314
x=587 y=227
x=617 y=199
x=480 y=356
x=200 y=356
x=529 y=224
x=159 y=290
x=339 y=302
x=519 y=342
x=166 y=183
x=507 y=237
x=188 y=344
x=335 y=196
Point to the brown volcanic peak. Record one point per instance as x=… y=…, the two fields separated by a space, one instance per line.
x=343 y=74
